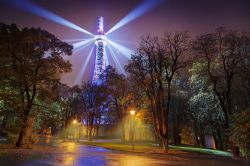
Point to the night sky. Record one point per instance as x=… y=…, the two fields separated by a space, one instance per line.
x=196 y=16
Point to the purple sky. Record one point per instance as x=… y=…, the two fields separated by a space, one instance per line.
x=197 y=16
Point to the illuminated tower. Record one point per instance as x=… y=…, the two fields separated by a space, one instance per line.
x=100 y=42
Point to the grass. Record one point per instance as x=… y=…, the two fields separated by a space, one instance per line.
x=202 y=150
x=150 y=148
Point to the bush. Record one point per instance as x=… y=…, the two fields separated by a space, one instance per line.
x=241 y=132
x=12 y=138
x=31 y=139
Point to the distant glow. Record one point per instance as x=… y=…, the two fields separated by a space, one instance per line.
x=144 y=7
x=117 y=63
x=38 y=10
x=124 y=50
x=82 y=43
x=83 y=69
x=132 y=112
x=74 y=121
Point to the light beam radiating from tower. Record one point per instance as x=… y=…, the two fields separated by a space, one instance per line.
x=32 y=7
x=100 y=42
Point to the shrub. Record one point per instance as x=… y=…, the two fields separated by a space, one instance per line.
x=241 y=132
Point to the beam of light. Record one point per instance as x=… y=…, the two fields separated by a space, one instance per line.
x=143 y=8
x=106 y=58
x=38 y=10
x=117 y=63
x=73 y=40
x=124 y=50
x=82 y=47
x=82 y=43
x=76 y=50
x=125 y=41
x=85 y=64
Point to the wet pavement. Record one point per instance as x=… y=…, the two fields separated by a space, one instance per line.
x=81 y=155
x=74 y=154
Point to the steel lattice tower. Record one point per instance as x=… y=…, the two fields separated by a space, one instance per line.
x=100 y=42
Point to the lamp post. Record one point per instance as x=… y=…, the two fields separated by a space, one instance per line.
x=80 y=127
x=132 y=128
x=74 y=122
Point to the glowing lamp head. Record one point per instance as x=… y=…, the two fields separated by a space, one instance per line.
x=132 y=112
x=74 y=121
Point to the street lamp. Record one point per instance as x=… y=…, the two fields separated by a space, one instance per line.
x=74 y=122
x=132 y=128
x=132 y=112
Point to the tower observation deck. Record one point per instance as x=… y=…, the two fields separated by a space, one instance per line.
x=100 y=42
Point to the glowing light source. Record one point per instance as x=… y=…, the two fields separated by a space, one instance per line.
x=74 y=121
x=132 y=112
x=100 y=42
x=38 y=10
x=100 y=29
x=144 y=7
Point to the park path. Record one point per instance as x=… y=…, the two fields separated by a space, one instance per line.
x=75 y=154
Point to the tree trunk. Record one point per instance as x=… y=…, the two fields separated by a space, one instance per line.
x=90 y=133
x=220 y=142
x=215 y=140
x=165 y=144
x=196 y=137
x=22 y=134
x=123 y=134
x=97 y=130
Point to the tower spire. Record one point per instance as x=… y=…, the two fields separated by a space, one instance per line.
x=100 y=42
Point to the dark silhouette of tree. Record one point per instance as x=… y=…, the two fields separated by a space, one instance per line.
x=117 y=87
x=93 y=97
x=153 y=68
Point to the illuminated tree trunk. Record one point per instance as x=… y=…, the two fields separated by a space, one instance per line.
x=23 y=132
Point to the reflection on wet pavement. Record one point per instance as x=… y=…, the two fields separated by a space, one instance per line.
x=72 y=154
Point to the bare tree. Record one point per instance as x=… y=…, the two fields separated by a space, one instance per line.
x=153 y=68
x=93 y=97
x=117 y=86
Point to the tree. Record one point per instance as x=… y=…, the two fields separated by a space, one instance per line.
x=153 y=68
x=31 y=61
x=93 y=97
x=204 y=107
x=224 y=53
x=241 y=132
x=119 y=95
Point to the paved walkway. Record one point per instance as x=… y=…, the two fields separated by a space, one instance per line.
x=74 y=154
x=80 y=155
